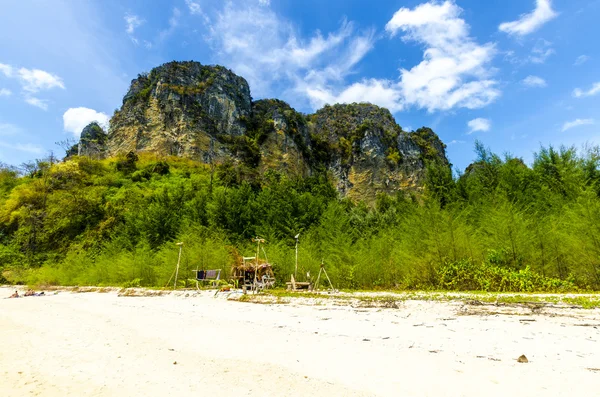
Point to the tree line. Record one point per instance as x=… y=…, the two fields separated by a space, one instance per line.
x=501 y=225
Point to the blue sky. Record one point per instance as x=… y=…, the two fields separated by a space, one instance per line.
x=513 y=73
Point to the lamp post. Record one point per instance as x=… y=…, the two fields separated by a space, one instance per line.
x=296 y=269
x=178 y=260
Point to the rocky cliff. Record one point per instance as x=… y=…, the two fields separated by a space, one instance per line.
x=92 y=143
x=368 y=153
x=206 y=113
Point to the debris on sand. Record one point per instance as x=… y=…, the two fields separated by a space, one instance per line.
x=522 y=359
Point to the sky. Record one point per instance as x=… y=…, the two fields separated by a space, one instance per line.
x=514 y=74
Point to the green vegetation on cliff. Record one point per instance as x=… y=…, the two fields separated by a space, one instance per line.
x=206 y=113
x=500 y=226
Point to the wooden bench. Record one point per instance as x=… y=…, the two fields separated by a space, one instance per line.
x=298 y=286
x=207 y=275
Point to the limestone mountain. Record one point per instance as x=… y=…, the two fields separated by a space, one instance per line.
x=93 y=142
x=368 y=153
x=206 y=113
x=182 y=109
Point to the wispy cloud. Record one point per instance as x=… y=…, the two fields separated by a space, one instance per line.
x=576 y=123
x=76 y=119
x=6 y=70
x=479 y=124
x=35 y=80
x=23 y=147
x=132 y=22
x=265 y=48
x=173 y=24
x=581 y=59
x=32 y=81
x=541 y=51
x=9 y=129
x=38 y=103
x=529 y=23
x=258 y=44
x=194 y=7
x=594 y=90
x=534 y=81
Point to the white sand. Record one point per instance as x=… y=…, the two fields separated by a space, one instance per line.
x=100 y=344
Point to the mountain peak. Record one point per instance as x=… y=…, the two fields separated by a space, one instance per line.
x=206 y=113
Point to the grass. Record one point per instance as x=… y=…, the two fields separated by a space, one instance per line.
x=389 y=299
x=375 y=298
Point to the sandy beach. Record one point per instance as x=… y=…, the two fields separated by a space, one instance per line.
x=103 y=344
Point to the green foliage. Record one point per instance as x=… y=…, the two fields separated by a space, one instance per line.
x=500 y=226
x=467 y=275
x=127 y=165
x=343 y=127
x=429 y=143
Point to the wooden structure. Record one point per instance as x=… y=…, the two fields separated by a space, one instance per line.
x=294 y=285
x=252 y=273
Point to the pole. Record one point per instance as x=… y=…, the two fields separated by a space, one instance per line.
x=296 y=270
x=256 y=269
x=178 y=261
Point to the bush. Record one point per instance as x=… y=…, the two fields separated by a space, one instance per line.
x=467 y=275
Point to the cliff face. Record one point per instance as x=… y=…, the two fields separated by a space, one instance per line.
x=92 y=142
x=182 y=109
x=206 y=113
x=282 y=136
x=368 y=153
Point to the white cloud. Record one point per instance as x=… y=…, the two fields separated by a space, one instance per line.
x=76 y=119
x=194 y=7
x=455 y=71
x=34 y=80
x=266 y=49
x=534 y=81
x=7 y=70
x=380 y=92
x=541 y=51
x=581 y=59
x=578 y=92
x=576 y=123
x=39 y=103
x=23 y=147
x=264 y=2
x=132 y=22
x=528 y=23
x=479 y=124
x=455 y=142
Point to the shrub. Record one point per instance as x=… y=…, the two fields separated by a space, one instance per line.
x=467 y=275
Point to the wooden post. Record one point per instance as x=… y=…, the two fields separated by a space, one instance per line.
x=296 y=269
x=178 y=261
